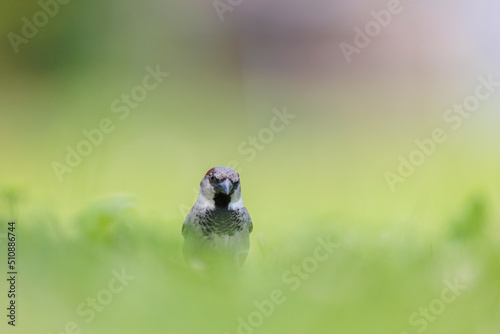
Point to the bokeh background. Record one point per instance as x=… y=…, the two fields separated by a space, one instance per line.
x=323 y=175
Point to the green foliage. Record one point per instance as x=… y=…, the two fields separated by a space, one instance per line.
x=366 y=284
x=472 y=222
x=10 y=198
x=107 y=220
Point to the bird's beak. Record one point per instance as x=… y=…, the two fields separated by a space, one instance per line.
x=225 y=186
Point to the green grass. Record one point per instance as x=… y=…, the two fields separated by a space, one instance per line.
x=372 y=283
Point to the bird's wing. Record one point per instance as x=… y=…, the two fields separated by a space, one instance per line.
x=187 y=227
x=244 y=217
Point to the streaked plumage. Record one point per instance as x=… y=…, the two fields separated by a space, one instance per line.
x=218 y=226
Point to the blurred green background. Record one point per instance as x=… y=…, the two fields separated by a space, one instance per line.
x=321 y=175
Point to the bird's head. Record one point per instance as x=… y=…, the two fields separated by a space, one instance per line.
x=220 y=187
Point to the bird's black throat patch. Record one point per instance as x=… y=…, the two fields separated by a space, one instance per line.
x=222 y=200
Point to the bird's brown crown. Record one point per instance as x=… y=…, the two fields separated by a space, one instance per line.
x=220 y=173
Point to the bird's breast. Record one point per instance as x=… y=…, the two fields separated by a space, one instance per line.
x=220 y=221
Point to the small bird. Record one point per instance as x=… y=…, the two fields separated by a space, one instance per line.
x=218 y=226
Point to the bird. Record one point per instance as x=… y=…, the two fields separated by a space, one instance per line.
x=217 y=229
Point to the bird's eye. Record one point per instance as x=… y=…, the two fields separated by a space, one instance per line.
x=236 y=183
x=212 y=177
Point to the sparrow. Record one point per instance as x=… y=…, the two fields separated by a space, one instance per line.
x=218 y=226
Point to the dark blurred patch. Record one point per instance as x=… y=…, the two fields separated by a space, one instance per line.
x=74 y=36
